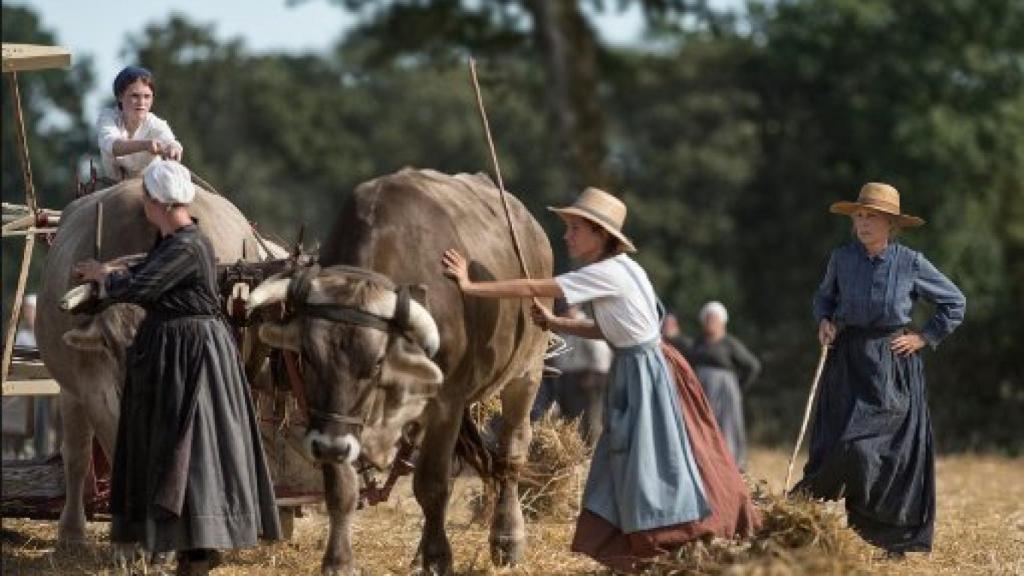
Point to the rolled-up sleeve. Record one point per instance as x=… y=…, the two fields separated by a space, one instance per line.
x=950 y=303
x=108 y=131
x=826 y=296
x=588 y=283
x=152 y=278
x=161 y=131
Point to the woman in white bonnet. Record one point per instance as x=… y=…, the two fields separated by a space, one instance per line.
x=189 y=473
x=720 y=359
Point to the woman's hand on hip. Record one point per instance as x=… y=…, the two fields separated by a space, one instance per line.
x=826 y=332
x=456 y=267
x=907 y=344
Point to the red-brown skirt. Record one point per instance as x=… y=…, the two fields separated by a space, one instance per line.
x=732 y=511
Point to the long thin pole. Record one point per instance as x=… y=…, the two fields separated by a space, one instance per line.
x=19 y=293
x=30 y=240
x=807 y=415
x=497 y=168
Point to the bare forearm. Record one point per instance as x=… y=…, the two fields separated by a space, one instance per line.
x=583 y=327
x=126 y=147
x=518 y=288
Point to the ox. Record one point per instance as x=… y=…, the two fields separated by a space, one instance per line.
x=86 y=353
x=367 y=381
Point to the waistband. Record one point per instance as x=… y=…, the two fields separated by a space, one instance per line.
x=872 y=331
x=642 y=347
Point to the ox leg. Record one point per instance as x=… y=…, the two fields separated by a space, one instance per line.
x=341 y=489
x=432 y=487
x=76 y=452
x=508 y=529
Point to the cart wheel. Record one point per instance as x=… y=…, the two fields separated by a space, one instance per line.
x=286 y=515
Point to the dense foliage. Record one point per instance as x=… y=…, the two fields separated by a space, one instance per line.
x=727 y=135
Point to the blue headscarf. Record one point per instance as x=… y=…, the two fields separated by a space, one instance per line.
x=126 y=77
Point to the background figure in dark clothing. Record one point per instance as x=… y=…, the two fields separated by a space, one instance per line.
x=579 y=390
x=871 y=441
x=673 y=333
x=189 y=473
x=720 y=360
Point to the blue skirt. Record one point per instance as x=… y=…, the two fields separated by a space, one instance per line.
x=643 y=474
x=871 y=441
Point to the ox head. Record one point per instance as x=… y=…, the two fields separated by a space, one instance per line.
x=366 y=353
x=103 y=340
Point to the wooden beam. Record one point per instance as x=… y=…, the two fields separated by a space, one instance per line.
x=19 y=292
x=20 y=57
x=31 y=388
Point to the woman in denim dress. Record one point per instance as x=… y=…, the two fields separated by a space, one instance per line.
x=871 y=441
x=661 y=474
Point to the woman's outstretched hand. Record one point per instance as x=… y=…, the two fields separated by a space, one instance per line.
x=541 y=315
x=907 y=344
x=456 y=267
x=91 y=270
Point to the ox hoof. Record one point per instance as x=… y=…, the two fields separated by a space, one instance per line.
x=507 y=551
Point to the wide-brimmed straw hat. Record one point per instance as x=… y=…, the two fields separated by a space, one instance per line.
x=880 y=198
x=603 y=209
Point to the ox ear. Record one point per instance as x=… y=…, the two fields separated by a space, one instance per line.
x=88 y=338
x=283 y=335
x=407 y=367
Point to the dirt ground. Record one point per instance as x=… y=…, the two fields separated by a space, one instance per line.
x=980 y=530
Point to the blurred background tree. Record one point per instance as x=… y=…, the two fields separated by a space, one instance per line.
x=728 y=134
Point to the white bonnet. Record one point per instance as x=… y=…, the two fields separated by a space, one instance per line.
x=169 y=182
x=714 y=307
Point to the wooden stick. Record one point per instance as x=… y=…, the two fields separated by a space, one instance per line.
x=19 y=293
x=497 y=168
x=807 y=415
x=22 y=142
x=98 y=247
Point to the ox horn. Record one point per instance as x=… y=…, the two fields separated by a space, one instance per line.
x=76 y=297
x=424 y=329
x=422 y=326
x=271 y=291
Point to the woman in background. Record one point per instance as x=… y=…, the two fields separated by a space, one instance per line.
x=871 y=441
x=130 y=136
x=719 y=359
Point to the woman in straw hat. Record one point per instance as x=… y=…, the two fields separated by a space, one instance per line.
x=661 y=474
x=189 y=473
x=871 y=441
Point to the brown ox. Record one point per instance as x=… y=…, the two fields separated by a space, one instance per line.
x=365 y=383
x=85 y=353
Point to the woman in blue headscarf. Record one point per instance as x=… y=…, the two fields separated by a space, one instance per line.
x=130 y=136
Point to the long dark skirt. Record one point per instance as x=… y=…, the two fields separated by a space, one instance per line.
x=723 y=391
x=189 y=470
x=871 y=441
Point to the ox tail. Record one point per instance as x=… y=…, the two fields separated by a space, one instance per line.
x=474 y=449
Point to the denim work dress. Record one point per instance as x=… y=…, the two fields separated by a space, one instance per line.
x=871 y=440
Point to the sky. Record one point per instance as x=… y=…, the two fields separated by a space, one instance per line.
x=99 y=27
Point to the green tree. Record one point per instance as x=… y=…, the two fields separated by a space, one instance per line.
x=56 y=127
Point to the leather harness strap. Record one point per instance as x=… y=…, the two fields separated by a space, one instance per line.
x=296 y=303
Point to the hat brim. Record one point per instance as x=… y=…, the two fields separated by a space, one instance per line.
x=848 y=208
x=627 y=244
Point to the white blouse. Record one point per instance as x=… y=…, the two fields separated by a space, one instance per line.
x=110 y=128
x=622 y=297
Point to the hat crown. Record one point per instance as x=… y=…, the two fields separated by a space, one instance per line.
x=602 y=206
x=881 y=196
